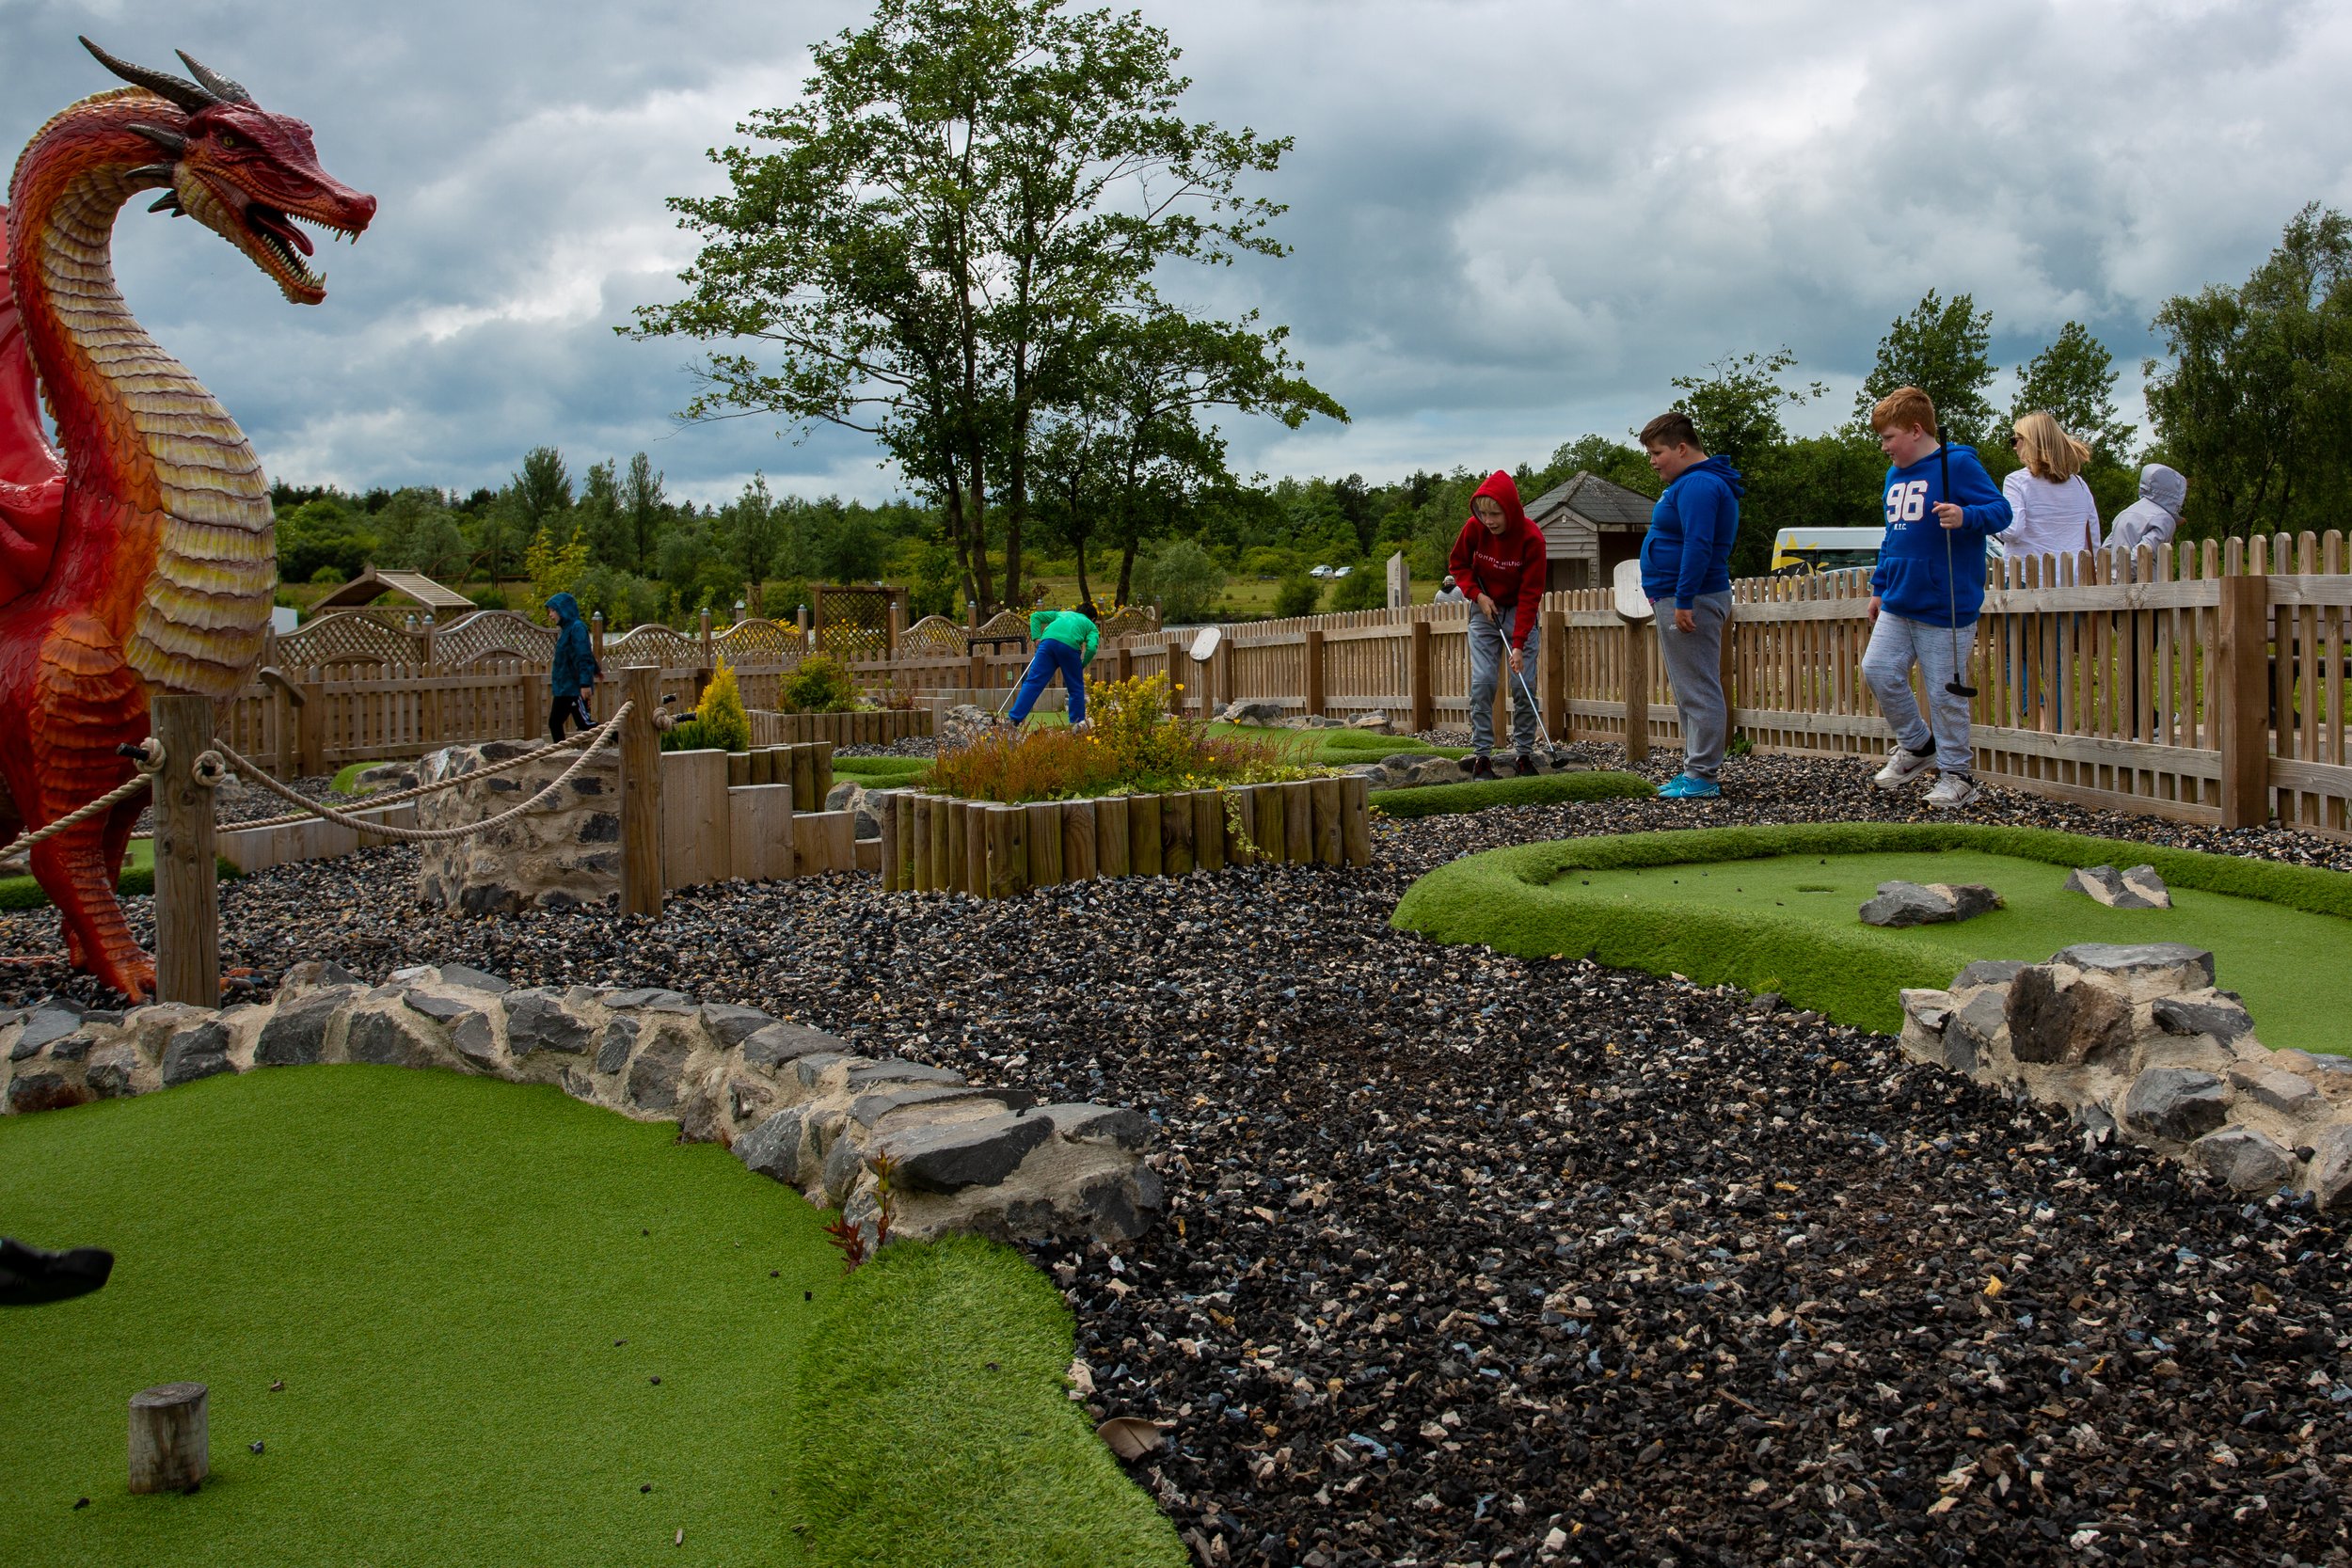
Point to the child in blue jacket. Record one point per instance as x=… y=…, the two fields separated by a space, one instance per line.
x=1926 y=592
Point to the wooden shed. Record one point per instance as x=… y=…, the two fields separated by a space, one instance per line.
x=370 y=583
x=1589 y=525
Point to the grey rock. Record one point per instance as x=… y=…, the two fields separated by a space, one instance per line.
x=2245 y=1160
x=2289 y=1093
x=1253 y=710
x=387 y=1040
x=197 y=1052
x=315 y=974
x=2151 y=968
x=891 y=1070
x=647 y=999
x=1112 y=1126
x=811 y=1068
x=578 y=1084
x=1373 y=718
x=1122 y=1208
x=472 y=1037
x=965 y=1154
x=441 y=1009
x=841 y=795
x=110 y=1068
x=44 y=1091
x=1900 y=904
x=653 y=1076
x=295 y=1036
x=536 y=1021
x=44 y=1027
x=773 y=1148
x=731 y=1025
x=1930 y=1009
x=844 y=1163
x=868 y=1110
x=2176 y=1103
x=1989 y=972
x=73 y=1047
x=475 y=979
x=2068 y=1025
x=1975 y=1030
x=2224 y=1020
x=2331 y=1168
x=2138 y=889
x=620 y=1039
x=775 y=1044
x=748 y=1097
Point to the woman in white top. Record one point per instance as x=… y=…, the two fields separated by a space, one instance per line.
x=2052 y=506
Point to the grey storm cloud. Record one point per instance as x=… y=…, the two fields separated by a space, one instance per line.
x=1510 y=223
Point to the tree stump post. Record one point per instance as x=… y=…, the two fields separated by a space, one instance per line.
x=1636 y=691
x=1208 y=830
x=1043 y=837
x=1112 y=856
x=1143 y=834
x=1422 y=677
x=1329 y=839
x=170 y=1441
x=641 y=793
x=1356 y=820
x=1077 y=841
x=187 y=890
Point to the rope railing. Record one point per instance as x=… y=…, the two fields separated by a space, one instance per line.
x=214 y=764
x=149 y=756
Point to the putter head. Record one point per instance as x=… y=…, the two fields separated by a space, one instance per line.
x=1957 y=690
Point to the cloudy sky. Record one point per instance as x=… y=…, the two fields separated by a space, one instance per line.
x=1512 y=223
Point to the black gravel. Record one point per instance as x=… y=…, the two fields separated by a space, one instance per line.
x=1476 y=1259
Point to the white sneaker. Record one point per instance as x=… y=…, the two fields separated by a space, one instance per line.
x=1902 y=766
x=1954 y=791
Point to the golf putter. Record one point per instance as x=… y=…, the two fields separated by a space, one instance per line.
x=1558 y=754
x=1957 y=687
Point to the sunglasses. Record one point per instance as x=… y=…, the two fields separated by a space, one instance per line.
x=2013 y=439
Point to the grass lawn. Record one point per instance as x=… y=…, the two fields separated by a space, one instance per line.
x=1774 y=909
x=468 y=1289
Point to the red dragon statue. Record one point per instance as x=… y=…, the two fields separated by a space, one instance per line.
x=143 y=559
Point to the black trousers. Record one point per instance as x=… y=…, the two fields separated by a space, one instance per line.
x=565 y=707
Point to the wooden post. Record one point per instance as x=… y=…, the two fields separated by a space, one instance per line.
x=1125 y=664
x=641 y=793
x=1078 y=863
x=975 y=848
x=1298 y=822
x=804 y=795
x=956 y=875
x=1222 y=661
x=1008 y=851
x=1241 y=827
x=1313 y=658
x=311 y=712
x=1143 y=835
x=1328 y=837
x=978 y=674
x=893 y=878
x=1181 y=683
x=919 y=831
x=1273 y=843
x=1356 y=820
x=759 y=833
x=1043 y=837
x=710 y=663
x=1208 y=829
x=1422 y=676
x=1552 y=676
x=2244 y=701
x=1636 y=691
x=1114 y=855
x=170 y=1436
x=825 y=775
x=187 y=892
x=1176 y=859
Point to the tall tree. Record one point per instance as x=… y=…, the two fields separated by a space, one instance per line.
x=1943 y=350
x=2256 y=403
x=965 y=185
x=2074 y=380
x=543 y=489
x=642 y=508
x=1736 y=404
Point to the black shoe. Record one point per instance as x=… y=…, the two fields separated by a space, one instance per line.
x=29 y=1276
x=1483 y=769
x=1525 y=764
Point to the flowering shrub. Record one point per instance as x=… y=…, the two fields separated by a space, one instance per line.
x=1133 y=743
x=818 y=684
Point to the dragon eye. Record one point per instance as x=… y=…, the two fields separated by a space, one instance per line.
x=227 y=140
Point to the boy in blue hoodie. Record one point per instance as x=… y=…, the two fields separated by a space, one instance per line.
x=574 y=673
x=1686 y=559
x=1925 y=594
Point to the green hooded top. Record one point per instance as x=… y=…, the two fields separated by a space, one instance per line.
x=1066 y=625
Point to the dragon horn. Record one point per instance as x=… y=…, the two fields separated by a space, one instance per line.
x=187 y=95
x=170 y=141
x=212 y=81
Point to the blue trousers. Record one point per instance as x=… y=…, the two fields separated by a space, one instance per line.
x=1052 y=656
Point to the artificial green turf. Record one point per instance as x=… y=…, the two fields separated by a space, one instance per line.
x=1004 y=1469
x=467 y=1288
x=346 y=777
x=1534 y=900
x=896 y=768
x=1537 y=789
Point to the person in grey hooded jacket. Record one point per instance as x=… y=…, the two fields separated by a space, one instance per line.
x=2152 y=519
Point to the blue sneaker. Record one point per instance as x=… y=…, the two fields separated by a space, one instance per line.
x=1686 y=786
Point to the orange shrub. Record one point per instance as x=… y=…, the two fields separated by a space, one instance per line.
x=1134 y=743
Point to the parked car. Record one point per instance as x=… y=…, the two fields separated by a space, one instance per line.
x=1341 y=571
x=1319 y=571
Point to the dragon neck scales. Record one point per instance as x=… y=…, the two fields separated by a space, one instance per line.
x=171 y=544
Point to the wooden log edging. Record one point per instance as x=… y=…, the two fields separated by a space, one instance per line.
x=940 y=843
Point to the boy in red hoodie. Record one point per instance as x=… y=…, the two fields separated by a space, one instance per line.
x=1499 y=561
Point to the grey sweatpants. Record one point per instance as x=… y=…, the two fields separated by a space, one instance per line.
x=1694 y=666
x=1490 y=661
x=1896 y=645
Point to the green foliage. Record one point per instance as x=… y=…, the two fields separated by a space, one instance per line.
x=2255 y=406
x=1183 y=577
x=818 y=684
x=725 y=724
x=1738 y=404
x=1943 y=350
x=2073 y=379
x=555 y=564
x=326 y=534
x=1132 y=743
x=1538 y=789
x=1361 y=589
x=489 y=596
x=330 y=576
x=1298 y=594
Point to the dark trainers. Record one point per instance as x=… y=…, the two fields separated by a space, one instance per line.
x=1524 y=764
x=1482 y=769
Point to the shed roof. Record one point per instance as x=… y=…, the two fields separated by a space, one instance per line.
x=1595 y=500
x=364 y=588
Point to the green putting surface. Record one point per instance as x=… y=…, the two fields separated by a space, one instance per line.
x=467 y=1289
x=1537 y=789
x=1775 y=909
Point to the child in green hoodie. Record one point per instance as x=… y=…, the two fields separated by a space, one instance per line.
x=1066 y=640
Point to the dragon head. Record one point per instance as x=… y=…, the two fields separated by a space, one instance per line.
x=245 y=173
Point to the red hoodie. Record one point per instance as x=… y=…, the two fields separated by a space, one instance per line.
x=1508 y=568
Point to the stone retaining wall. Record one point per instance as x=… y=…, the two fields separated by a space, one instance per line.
x=564 y=853
x=2136 y=1041
x=792 y=1102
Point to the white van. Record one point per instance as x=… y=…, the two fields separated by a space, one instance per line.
x=1808 y=551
